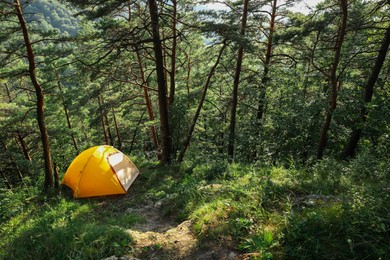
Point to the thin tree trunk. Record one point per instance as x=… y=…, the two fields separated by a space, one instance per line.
x=110 y=138
x=305 y=82
x=67 y=115
x=261 y=107
x=148 y=103
x=102 y=121
x=117 y=129
x=333 y=78
x=267 y=63
x=357 y=127
x=40 y=99
x=165 y=55
x=162 y=95
x=188 y=73
x=240 y=55
x=5 y=180
x=107 y=123
x=172 y=73
x=129 y=10
x=153 y=131
x=56 y=179
x=19 y=137
x=200 y=105
x=135 y=132
x=23 y=144
x=13 y=162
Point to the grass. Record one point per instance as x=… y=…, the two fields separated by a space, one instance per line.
x=329 y=210
x=63 y=228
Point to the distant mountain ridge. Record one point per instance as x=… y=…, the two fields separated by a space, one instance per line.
x=49 y=15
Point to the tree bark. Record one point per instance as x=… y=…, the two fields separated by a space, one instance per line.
x=265 y=77
x=23 y=144
x=240 y=55
x=5 y=180
x=188 y=73
x=172 y=73
x=136 y=131
x=102 y=121
x=333 y=78
x=19 y=137
x=40 y=98
x=56 y=179
x=357 y=128
x=106 y=122
x=117 y=129
x=267 y=62
x=67 y=116
x=200 y=105
x=162 y=95
x=13 y=162
x=148 y=102
x=110 y=138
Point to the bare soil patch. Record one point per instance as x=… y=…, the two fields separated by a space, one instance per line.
x=161 y=237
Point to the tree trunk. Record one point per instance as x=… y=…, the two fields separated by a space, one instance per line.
x=162 y=95
x=5 y=180
x=19 y=137
x=240 y=55
x=110 y=138
x=67 y=115
x=148 y=103
x=117 y=129
x=202 y=99
x=40 y=99
x=172 y=73
x=267 y=62
x=188 y=73
x=106 y=124
x=135 y=132
x=333 y=78
x=13 y=162
x=265 y=77
x=350 y=147
x=23 y=144
x=56 y=179
x=102 y=121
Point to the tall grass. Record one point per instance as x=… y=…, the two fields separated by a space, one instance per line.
x=61 y=228
x=329 y=210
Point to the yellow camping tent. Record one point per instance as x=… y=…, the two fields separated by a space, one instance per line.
x=100 y=170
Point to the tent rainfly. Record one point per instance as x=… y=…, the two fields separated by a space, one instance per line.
x=98 y=171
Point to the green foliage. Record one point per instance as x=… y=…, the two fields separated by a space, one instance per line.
x=359 y=227
x=13 y=203
x=260 y=243
x=60 y=228
x=321 y=211
x=51 y=16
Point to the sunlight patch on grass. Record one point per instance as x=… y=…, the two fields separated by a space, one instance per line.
x=210 y=219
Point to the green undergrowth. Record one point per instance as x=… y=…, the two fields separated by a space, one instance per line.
x=327 y=210
x=60 y=227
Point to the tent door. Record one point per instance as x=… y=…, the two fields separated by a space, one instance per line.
x=124 y=169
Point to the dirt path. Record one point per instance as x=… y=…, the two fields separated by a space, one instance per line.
x=161 y=238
